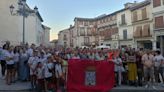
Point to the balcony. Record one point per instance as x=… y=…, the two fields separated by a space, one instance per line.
x=65 y=39
x=86 y=44
x=106 y=38
x=122 y=23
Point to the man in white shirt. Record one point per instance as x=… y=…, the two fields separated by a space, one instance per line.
x=148 y=63
x=158 y=65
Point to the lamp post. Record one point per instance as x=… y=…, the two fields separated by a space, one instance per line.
x=22 y=11
x=118 y=38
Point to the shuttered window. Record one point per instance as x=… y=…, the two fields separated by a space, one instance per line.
x=156 y=3
x=146 y=30
x=135 y=17
x=144 y=13
x=125 y=34
x=123 y=19
x=159 y=22
x=138 y=32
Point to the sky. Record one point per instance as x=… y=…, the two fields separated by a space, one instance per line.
x=60 y=14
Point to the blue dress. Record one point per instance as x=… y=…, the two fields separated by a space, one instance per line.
x=23 y=67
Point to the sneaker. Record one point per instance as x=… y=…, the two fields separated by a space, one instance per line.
x=154 y=87
x=146 y=86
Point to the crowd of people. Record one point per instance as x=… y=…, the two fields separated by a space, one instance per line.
x=46 y=67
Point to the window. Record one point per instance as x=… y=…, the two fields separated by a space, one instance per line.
x=138 y=31
x=135 y=17
x=123 y=19
x=146 y=30
x=159 y=22
x=89 y=32
x=103 y=20
x=65 y=37
x=144 y=13
x=82 y=31
x=65 y=44
x=163 y=2
x=86 y=39
x=156 y=3
x=91 y=23
x=86 y=23
x=125 y=34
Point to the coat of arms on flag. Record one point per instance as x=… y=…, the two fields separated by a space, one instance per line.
x=90 y=76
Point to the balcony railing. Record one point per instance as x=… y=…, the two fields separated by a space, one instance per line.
x=86 y=44
x=122 y=23
x=65 y=39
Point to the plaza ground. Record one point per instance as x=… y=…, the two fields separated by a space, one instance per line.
x=25 y=87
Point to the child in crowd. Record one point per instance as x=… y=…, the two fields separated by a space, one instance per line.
x=32 y=62
x=48 y=73
x=40 y=77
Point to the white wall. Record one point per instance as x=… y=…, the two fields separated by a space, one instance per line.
x=61 y=37
x=9 y=24
x=11 y=27
x=159 y=8
x=127 y=27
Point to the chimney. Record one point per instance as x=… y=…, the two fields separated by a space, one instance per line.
x=36 y=9
x=127 y=5
x=70 y=26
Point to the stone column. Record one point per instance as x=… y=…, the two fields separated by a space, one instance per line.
x=154 y=44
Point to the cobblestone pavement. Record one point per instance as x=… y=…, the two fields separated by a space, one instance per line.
x=25 y=87
x=13 y=87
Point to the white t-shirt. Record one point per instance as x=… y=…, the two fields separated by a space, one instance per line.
x=43 y=60
x=40 y=73
x=30 y=52
x=3 y=57
x=9 y=55
x=58 y=70
x=16 y=57
x=47 y=73
x=157 y=60
x=33 y=61
x=47 y=55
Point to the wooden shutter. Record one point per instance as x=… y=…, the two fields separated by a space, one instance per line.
x=156 y=3
x=89 y=33
x=138 y=32
x=159 y=22
x=146 y=30
x=144 y=13
x=135 y=17
x=123 y=19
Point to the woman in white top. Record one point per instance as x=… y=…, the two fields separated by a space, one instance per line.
x=16 y=62
x=10 y=65
x=119 y=69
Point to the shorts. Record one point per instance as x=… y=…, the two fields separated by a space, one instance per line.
x=10 y=67
x=149 y=72
x=49 y=79
x=40 y=82
x=15 y=65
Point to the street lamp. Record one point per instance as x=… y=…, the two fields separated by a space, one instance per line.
x=118 y=38
x=22 y=11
